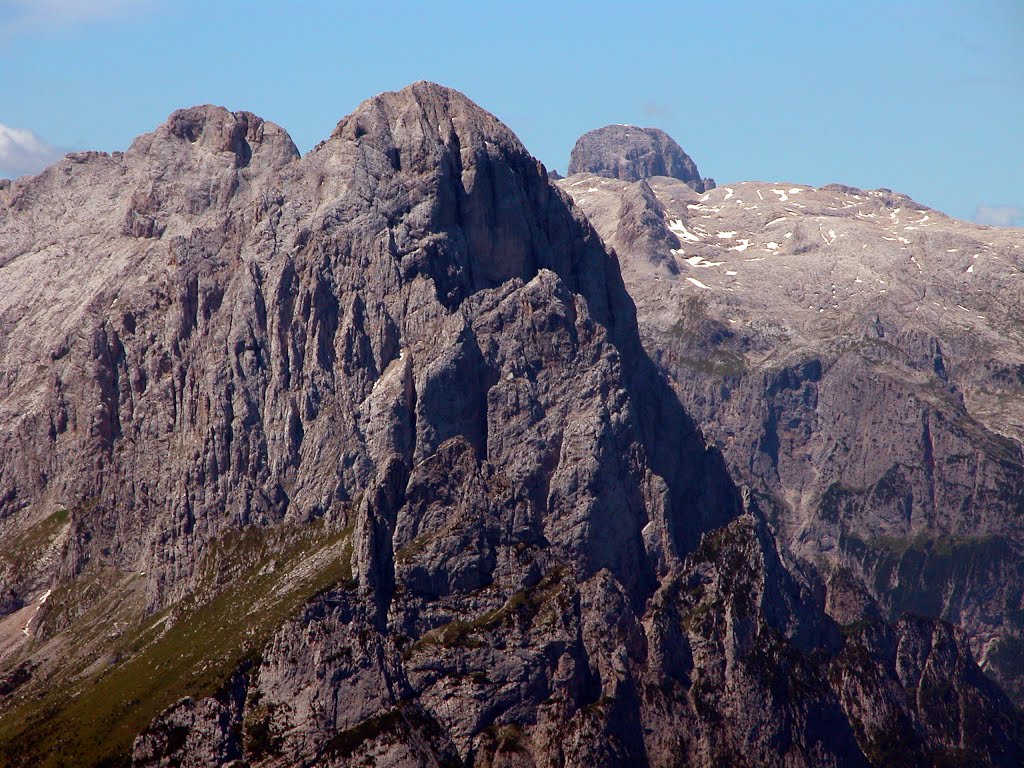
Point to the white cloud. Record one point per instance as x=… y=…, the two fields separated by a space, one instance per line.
x=1000 y=215
x=26 y=14
x=22 y=152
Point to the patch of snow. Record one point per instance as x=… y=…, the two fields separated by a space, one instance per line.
x=783 y=197
x=788 y=235
x=42 y=601
x=744 y=244
x=726 y=235
x=971 y=269
x=698 y=261
x=760 y=196
x=775 y=221
x=698 y=283
x=728 y=193
x=679 y=229
x=730 y=273
x=795 y=191
x=772 y=246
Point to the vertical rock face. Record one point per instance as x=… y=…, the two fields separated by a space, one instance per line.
x=629 y=153
x=357 y=457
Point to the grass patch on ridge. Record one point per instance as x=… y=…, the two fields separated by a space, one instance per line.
x=255 y=581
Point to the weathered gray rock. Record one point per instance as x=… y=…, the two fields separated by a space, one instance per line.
x=911 y=693
x=192 y=734
x=629 y=153
x=853 y=354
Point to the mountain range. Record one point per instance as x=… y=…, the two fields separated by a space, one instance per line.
x=404 y=452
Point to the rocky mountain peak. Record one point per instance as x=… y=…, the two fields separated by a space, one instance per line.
x=214 y=130
x=476 y=208
x=630 y=153
x=428 y=113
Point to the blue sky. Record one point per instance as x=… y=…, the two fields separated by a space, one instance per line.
x=926 y=98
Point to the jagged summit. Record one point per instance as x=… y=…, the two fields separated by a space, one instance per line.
x=214 y=130
x=630 y=153
x=476 y=206
x=426 y=111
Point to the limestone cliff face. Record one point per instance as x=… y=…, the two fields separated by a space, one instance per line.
x=855 y=356
x=267 y=345
x=357 y=457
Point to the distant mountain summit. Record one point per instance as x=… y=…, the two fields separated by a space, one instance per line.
x=629 y=153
